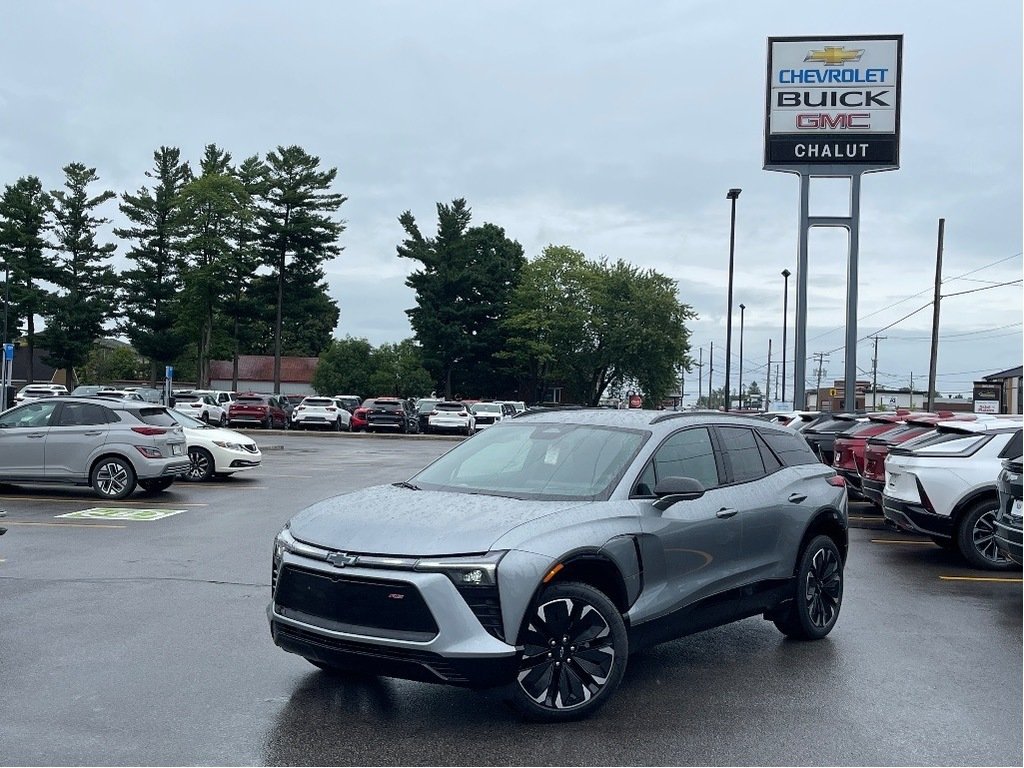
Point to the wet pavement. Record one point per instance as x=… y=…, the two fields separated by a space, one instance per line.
x=146 y=643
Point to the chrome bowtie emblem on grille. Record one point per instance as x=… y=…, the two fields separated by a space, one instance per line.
x=341 y=559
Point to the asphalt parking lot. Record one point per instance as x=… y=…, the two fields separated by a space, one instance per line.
x=145 y=642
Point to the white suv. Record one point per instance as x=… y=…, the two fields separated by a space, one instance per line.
x=324 y=412
x=943 y=484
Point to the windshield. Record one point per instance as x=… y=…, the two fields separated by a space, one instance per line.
x=319 y=402
x=536 y=461
x=426 y=406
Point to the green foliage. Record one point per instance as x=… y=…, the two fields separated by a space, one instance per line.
x=296 y=231
x=84 y=280
x=213 y=207
x=149 y=290
x=353 y=366
x=592 y=326
x=23 y=211
x=106 y=365
x=463 y=290
x=344 y=368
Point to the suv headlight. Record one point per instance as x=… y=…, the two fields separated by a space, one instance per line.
x=469 y=571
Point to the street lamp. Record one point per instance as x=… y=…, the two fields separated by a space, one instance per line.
x=731 y=195
x=742 y=308
x=785 y=323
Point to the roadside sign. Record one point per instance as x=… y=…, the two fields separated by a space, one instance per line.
x=169 y=372
x=116 y=513
x=8 y=351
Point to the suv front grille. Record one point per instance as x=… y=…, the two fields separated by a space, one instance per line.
x=344 y=603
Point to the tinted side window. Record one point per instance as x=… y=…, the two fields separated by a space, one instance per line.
x=82 y=414
x=789 y=447
x=687 y=454
x=771 y=462
x=744 y=456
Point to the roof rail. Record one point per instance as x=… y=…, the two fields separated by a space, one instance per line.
x=716 y=414
x=533 y=410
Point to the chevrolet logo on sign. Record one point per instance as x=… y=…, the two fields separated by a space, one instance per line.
x=835 y=56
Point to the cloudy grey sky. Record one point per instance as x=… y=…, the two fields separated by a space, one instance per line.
x=614 y=128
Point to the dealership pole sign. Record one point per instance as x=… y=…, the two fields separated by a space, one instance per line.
x=833 y=101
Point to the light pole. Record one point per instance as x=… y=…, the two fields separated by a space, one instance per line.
x=785 y=323
x=5 y=379
x=731 y=195
x=742 y=308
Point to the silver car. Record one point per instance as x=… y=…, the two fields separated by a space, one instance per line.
x=540 y=553
x=112 y=445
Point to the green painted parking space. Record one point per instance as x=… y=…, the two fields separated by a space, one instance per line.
x=116 y=513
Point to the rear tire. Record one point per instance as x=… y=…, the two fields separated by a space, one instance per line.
x=818 y=592
x=975 y=537
x=575 y=650
x=113 y=478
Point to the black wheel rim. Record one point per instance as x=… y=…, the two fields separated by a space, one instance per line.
x=568 y=654
x=984 y=537
x=198 y=465
x=823 y=588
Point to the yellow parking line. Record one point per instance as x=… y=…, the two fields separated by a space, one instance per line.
x=97 y=500
x=67 y=525
x=982 y=578
x=903 y=541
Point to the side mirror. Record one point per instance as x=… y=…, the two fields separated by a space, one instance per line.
x=673 y=489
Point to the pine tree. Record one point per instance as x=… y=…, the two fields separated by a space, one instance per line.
x=150 y=290
x=23 y=211
x=241 y=264
x=296 y=225
x=84 y=279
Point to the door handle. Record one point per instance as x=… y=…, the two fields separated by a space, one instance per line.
x=93 y=432
x=36 y=435
x=796 y=498
x=725 y=512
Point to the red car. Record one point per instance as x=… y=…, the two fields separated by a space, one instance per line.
x=849 y=446
x=258 y=410
x=877 y=448
x=359 y=416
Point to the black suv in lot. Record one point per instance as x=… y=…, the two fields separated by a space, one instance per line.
x=538 y=554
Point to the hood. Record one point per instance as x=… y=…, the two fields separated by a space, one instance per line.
x=389 y=520
x=217 y=433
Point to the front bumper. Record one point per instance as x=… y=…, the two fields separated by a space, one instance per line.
x=430 y=635
x=915 y=518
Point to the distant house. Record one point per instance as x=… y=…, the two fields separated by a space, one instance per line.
x=256 y=374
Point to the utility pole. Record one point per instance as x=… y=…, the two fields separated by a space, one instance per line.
x=874 y=374
x=777 y=381
x=711 y=371
x=820 y=356
x=935 y=318
x=768 y=376
x=700 y=377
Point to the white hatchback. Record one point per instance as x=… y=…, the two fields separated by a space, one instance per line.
x=943 y=485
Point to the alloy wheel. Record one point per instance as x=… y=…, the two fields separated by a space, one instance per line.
x=568 y=654
x=112 y=479
x=822 y=587
x=199 y=465
x=984 y=537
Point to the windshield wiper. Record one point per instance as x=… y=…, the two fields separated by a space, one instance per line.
x=405 y=484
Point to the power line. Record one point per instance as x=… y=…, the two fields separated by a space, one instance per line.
x=983 y=288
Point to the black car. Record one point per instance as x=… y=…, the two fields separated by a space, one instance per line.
x=1008 y=517
x=390 y=414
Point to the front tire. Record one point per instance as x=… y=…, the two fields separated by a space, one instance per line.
x=201 y=465
x=113 y=478
x=819 y=592
x=975 y=537
x=574 y=654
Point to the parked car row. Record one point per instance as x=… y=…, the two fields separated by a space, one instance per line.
x=950 y=477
